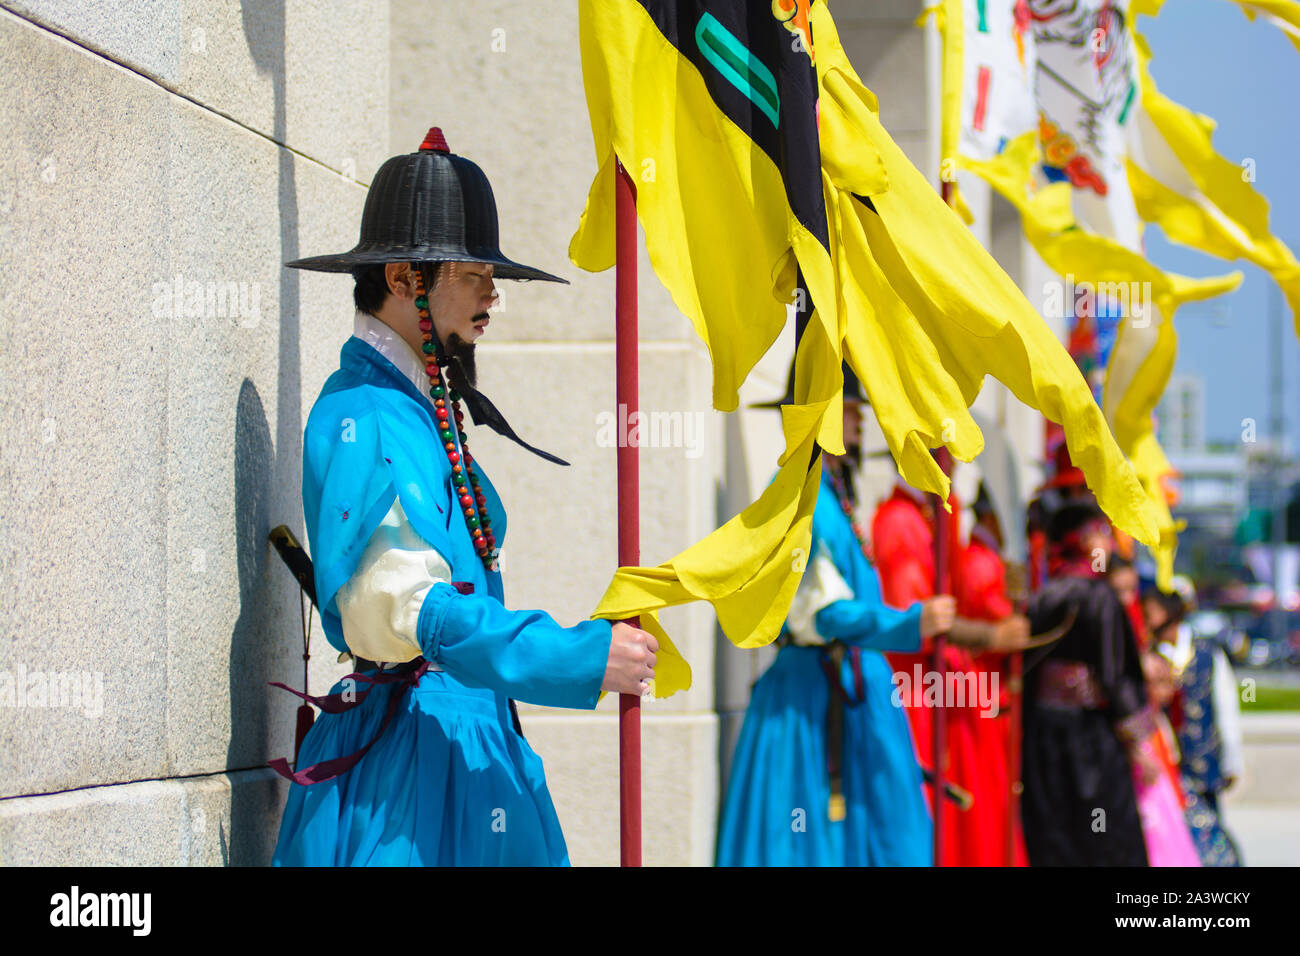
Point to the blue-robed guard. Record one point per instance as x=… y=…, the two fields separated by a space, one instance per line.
x=825 y=772
x=1209 y=724
x=418 y=757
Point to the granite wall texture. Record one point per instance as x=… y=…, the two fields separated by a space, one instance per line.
x=162 y=160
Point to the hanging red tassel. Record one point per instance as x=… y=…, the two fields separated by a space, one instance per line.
x=306 y=717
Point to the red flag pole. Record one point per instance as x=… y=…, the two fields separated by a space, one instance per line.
x=629 y=494
x=1016 y=685
x=939 y=747
x=1013 y=755
x=940 y=724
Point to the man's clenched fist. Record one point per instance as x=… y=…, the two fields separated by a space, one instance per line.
x=631 y=664
x=937 y=615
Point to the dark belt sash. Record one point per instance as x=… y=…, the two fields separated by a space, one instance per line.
x=1069 y=685
x=831 y=663
x=405 y=676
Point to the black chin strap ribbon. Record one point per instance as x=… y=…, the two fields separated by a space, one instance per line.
x=483 y=412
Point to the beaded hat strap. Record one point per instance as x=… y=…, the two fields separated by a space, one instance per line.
x=469 y=491
x=846 y=505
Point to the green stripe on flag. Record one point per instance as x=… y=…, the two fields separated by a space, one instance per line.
x=1128 y=102
x=740 y=67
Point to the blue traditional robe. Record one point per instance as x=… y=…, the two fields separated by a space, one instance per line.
x=775 y=812
x=450 y=782
x=1201 y=749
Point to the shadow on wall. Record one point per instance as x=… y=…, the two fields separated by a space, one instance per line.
x=252 y=641
x=256 y=642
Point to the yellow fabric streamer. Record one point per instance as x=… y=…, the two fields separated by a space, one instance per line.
x=1177 y=181
x=1198 y=197
x=1283 y=14
x=1153 y=467
x=1146 y=344
x=918 y=307
x=951 y=317
x=748 y=569
x=947 y=16
x=715 y=216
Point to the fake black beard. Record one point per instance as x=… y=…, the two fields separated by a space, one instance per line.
x=461 y=369
x=853 y=454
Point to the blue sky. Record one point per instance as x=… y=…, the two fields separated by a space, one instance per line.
x=1207 y=56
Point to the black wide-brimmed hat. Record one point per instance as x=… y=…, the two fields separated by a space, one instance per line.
x=428 y=206
x=852 y=389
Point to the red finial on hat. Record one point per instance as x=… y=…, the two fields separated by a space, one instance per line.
x=434 y=141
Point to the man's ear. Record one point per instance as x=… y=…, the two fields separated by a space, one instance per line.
x=401 y=281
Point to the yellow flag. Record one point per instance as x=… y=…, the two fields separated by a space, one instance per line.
x=987 y=87
x=1146 y=344
x=1071 y=176
x=1197 y=197
x=1283 y=14
x=711 y=106
x=740 y=186
x=931 y=314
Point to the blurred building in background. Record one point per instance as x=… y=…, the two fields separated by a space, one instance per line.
x=1181 y=414
x=1228 y=495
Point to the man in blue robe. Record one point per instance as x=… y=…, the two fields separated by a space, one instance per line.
x=825 y=773
x=418 y=758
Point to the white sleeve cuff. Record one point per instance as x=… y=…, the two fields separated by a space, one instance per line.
x=379 y=604
x=822 y=585
x=1227 y=713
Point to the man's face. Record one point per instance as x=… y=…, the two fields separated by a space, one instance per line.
x=460 y=300
x=458 y=303
x=1098 y=540
x=989 y=521
x=1125 y=583
x=1156 y=617
x=1077 y=493
x=852 y=424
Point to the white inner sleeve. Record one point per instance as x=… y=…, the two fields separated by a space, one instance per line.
x=1179 y=653
x=380 y=603
x=1227 y=714
x=822 y=585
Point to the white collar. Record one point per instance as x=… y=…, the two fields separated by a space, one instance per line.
x=1179 y=653
x=384 y=339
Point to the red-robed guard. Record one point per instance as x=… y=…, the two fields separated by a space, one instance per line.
x=903 y=539
x=980 y=586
